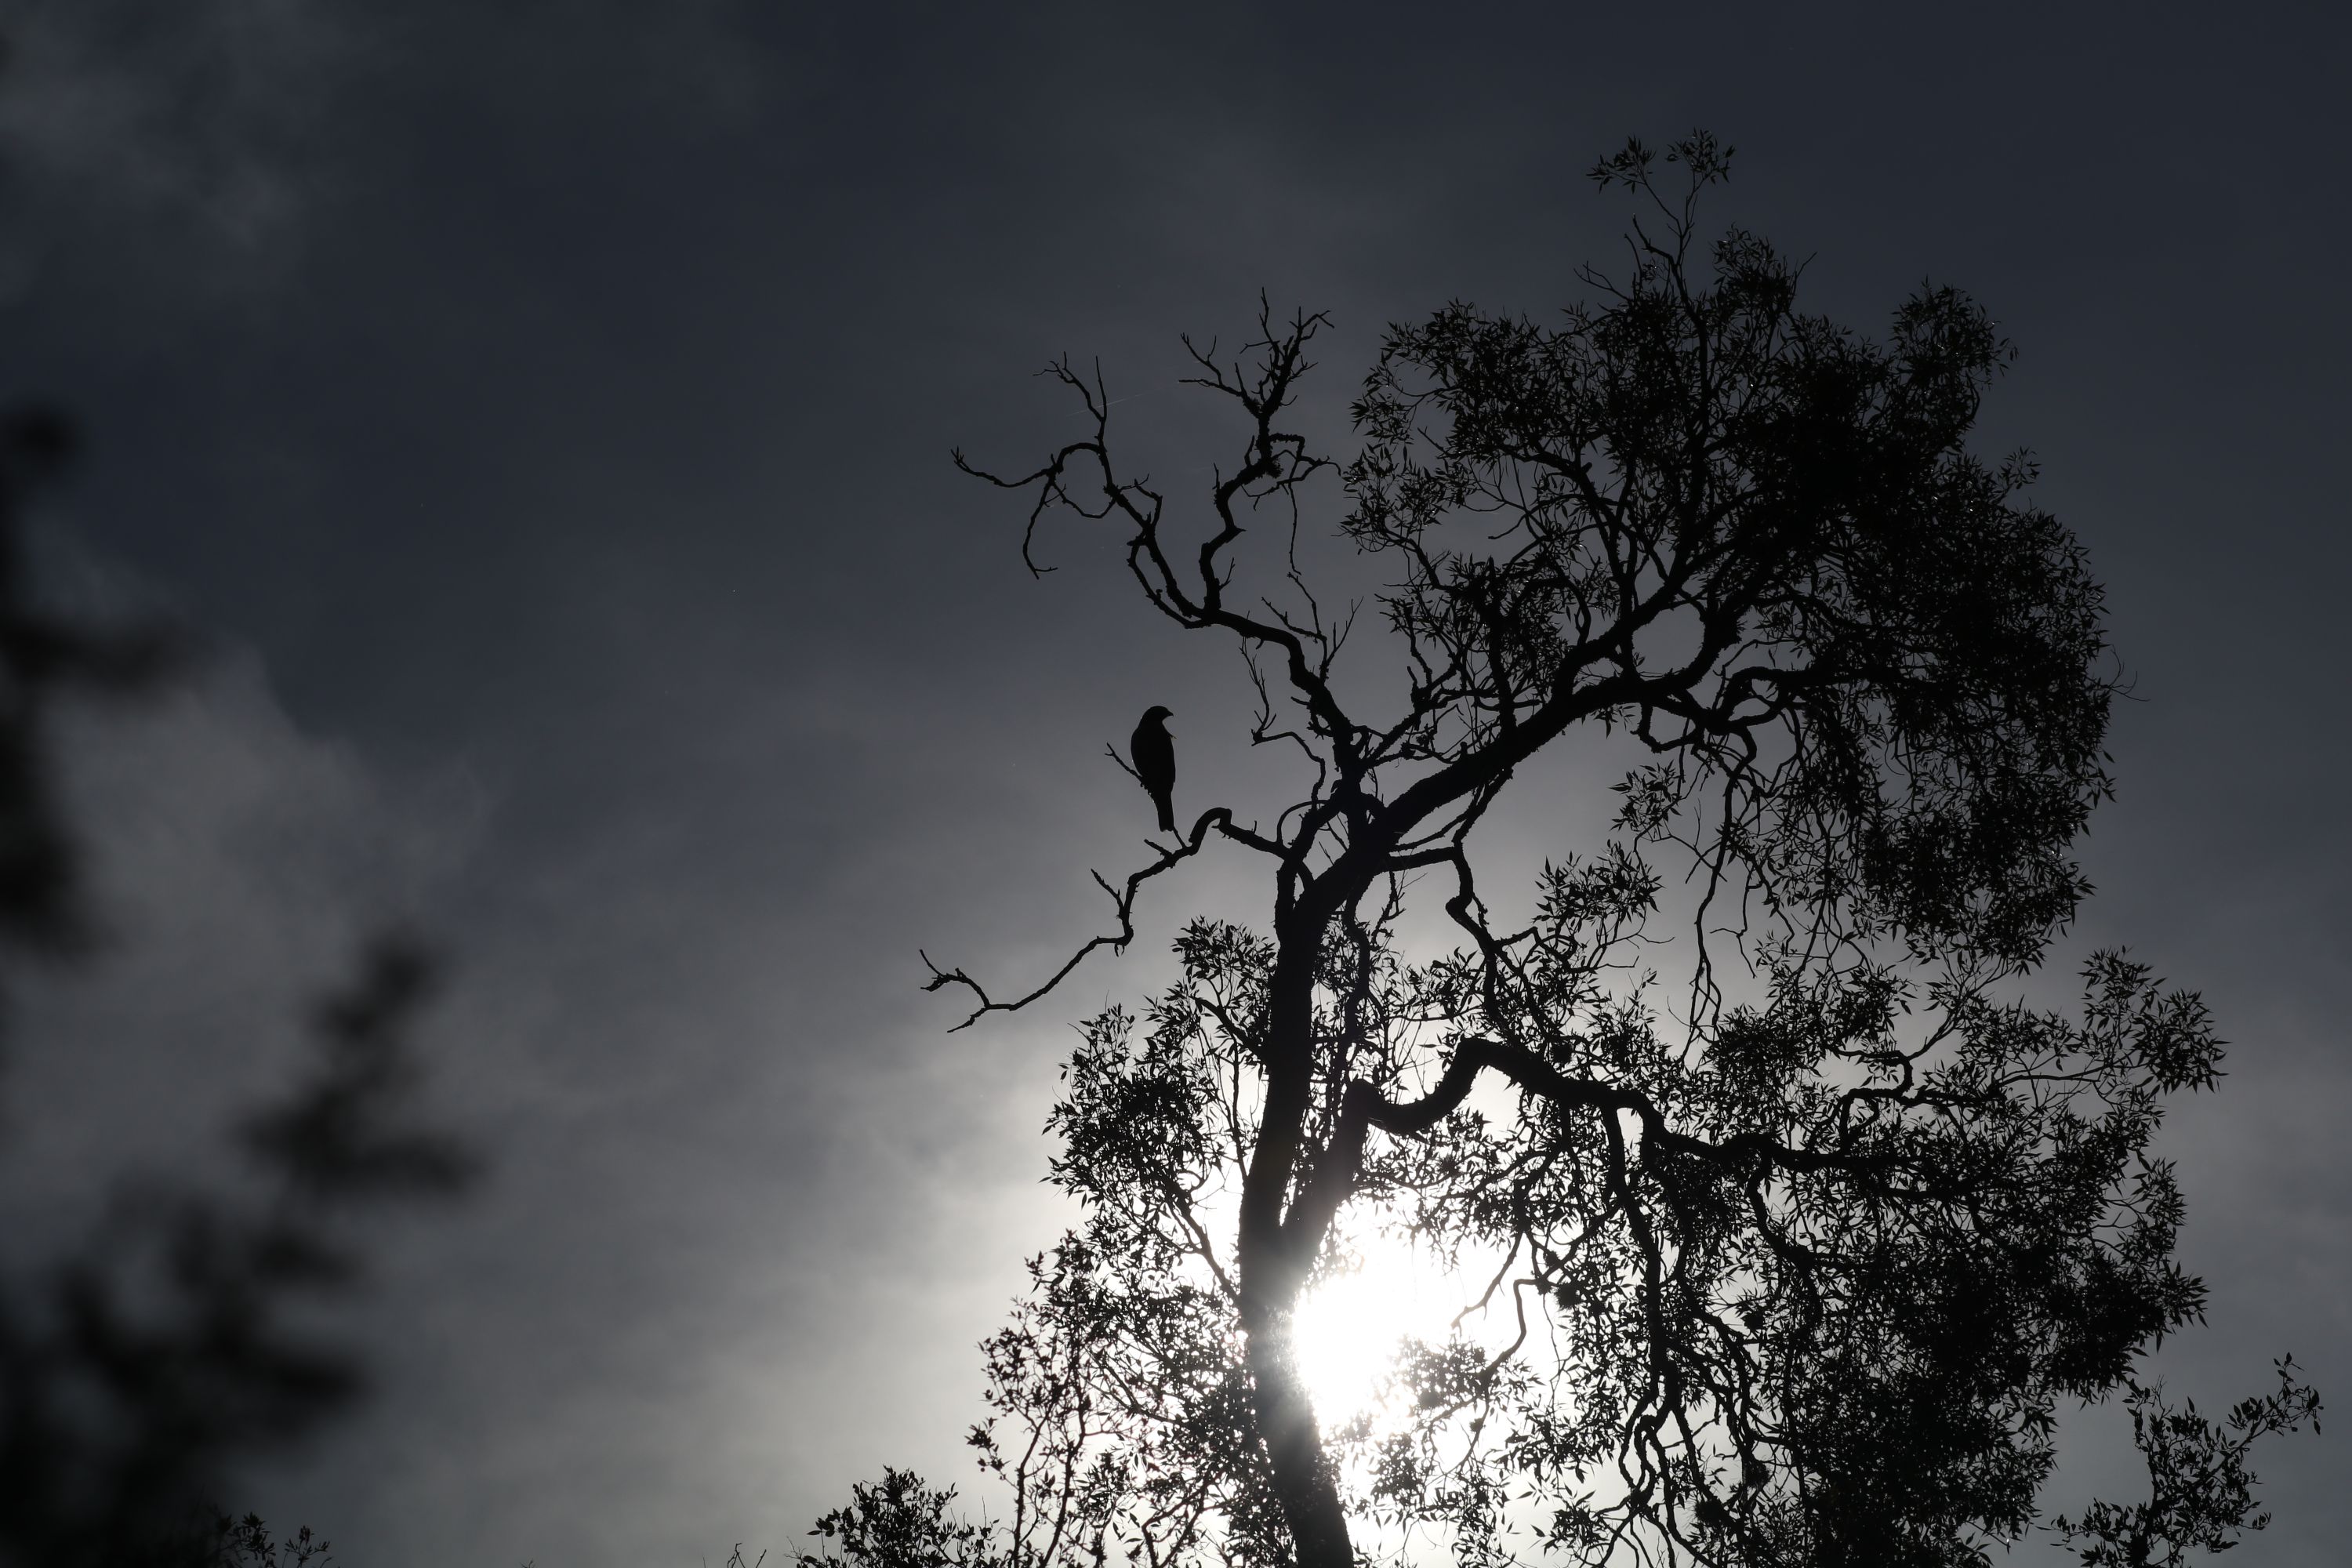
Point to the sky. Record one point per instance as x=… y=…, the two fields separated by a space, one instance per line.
x=545 y=410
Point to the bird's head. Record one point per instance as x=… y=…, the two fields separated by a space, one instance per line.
x=1157 y=715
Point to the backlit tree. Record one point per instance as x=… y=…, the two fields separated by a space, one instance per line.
x=1789 y=1224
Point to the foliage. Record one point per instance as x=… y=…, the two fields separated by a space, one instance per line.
x=221 y=1542
x=899 y=1524
x=1788 y=1259
x=165 y=1344
x=2200 y=1493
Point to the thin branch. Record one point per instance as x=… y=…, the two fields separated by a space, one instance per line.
x=1218 y=818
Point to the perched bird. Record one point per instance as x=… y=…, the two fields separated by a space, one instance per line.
x=1154 y=750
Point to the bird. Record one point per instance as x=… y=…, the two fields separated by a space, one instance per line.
x=1154 y=750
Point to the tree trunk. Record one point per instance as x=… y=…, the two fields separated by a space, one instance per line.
x=1303 y=1480
x=1273 y=1265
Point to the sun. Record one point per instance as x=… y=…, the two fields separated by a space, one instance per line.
x=1345 y=1331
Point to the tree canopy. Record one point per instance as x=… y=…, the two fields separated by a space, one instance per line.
x=1792 y=1221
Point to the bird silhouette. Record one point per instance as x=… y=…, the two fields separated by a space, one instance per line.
x=1154 y=750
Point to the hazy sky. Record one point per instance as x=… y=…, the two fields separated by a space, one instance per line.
x=548 y=408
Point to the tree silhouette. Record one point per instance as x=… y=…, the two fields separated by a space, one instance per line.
x=1797 y=1221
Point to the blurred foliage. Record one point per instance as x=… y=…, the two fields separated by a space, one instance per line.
x=178 y=1337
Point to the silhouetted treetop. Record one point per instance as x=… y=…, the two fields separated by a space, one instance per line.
x=1786 y=1259
x=1758 y=540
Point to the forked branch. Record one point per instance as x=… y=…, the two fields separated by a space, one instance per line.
x=1219 y=819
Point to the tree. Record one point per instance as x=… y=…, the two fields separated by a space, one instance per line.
x=1794 y=1249
x=169 y=1342
x=179 y=1335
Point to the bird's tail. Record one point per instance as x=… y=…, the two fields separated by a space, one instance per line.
x=1167 y=804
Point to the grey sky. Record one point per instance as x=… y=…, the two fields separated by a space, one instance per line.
x=549 y=413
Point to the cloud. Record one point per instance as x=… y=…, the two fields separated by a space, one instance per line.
x=225 y=126
x=202 y=113
x=237 y=865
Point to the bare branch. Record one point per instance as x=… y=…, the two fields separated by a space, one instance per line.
x=1219 y=819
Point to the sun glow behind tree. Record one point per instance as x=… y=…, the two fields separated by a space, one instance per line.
x=1348 y=1329
x=1384 y=1295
